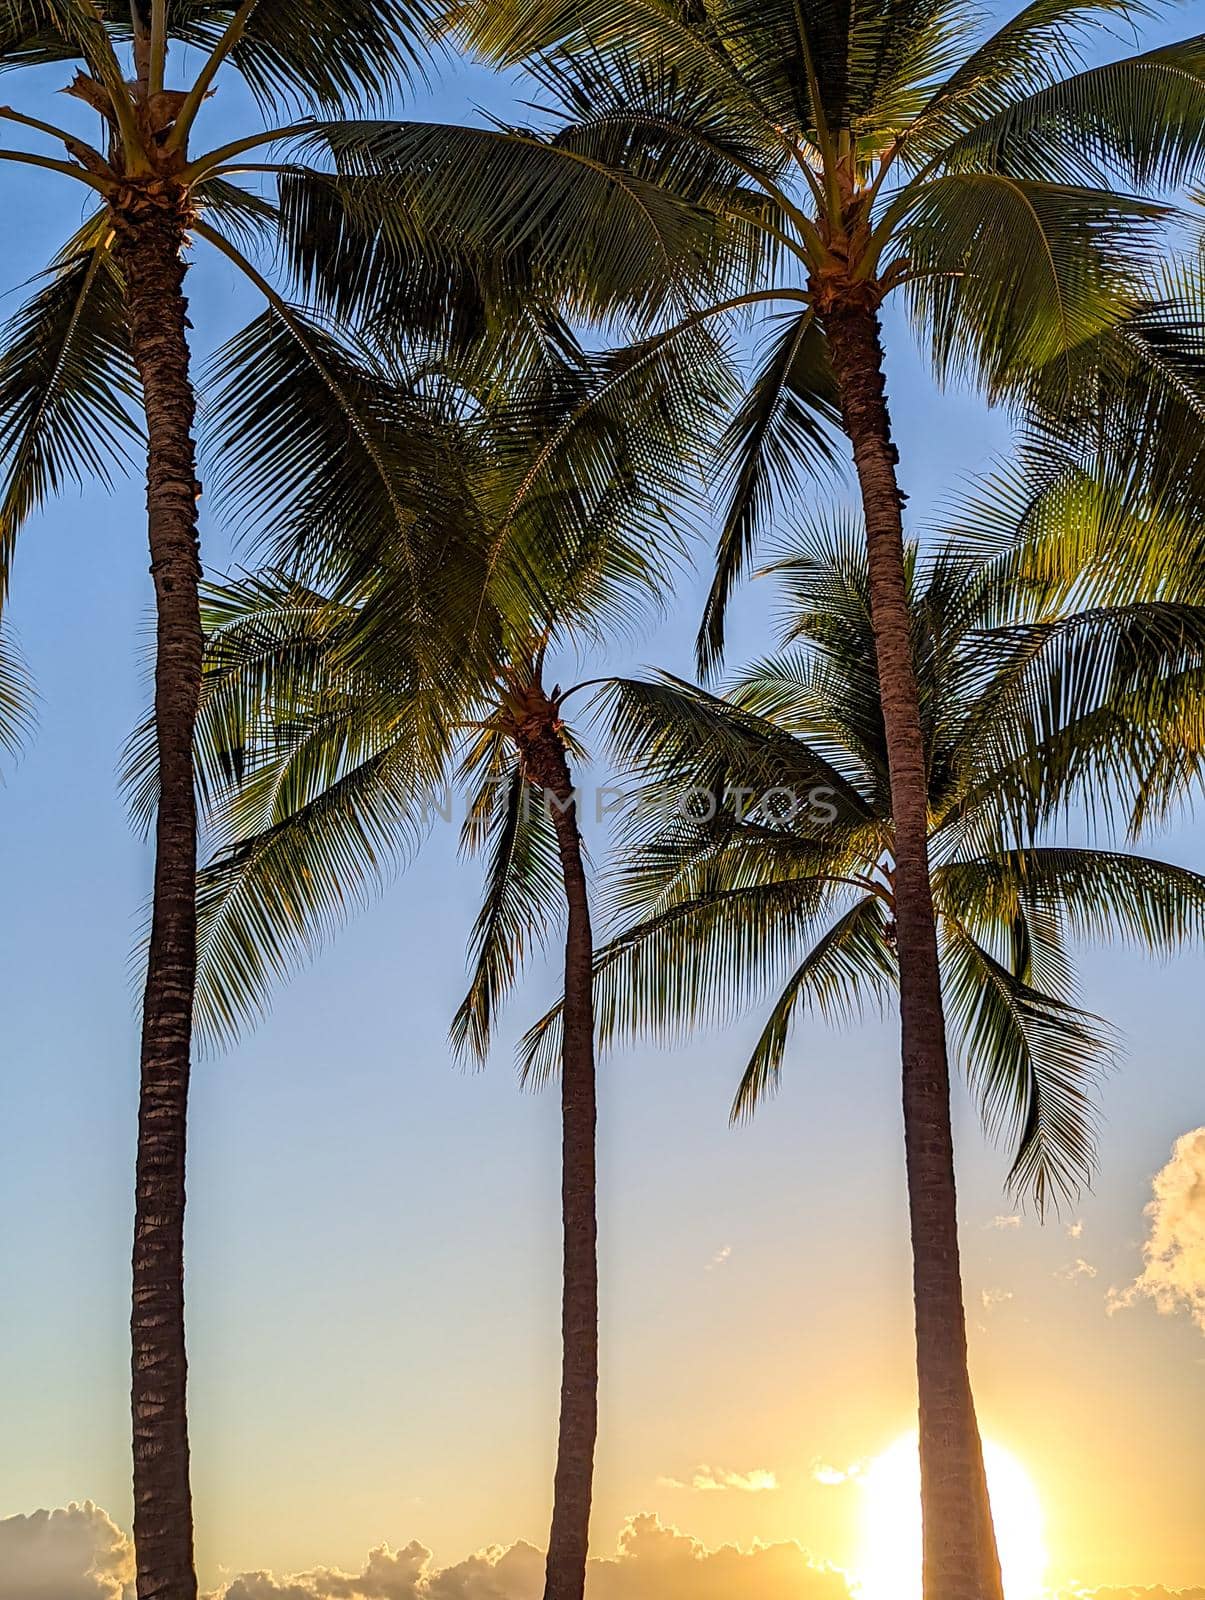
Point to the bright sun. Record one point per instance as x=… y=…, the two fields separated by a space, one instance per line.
x=890 y=1564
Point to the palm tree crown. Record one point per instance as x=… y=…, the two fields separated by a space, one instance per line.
x=789 y=885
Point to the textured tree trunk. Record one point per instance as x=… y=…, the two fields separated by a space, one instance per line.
x=150 y=240
x=568 y=1541
x=960 y=1559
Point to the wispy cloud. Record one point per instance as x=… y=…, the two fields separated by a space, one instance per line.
x=1075 y=1230
x=712 y=1480
x=1079 y=1268
x=831 y=1477
x=719 y=1258
x=994 y=1297
x=1173 y=1272
x=1005 y=1224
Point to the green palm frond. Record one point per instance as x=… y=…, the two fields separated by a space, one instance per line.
x=1080 y=708
x=1141 y=119
x=246 y=218
x=1032 y=1061
x=698 y=964
x=781 y=435
x=1009 y=275
x=668 y=732
x=16 y=695
x=269 y=904
x=852 y=965
x=67 y=385
x=594 y=482
x=294 y=53
x=1034 y=46
x=336 y=461
x=319 y=771
x=1104 y=894
x=600 y=238
x=522 y=895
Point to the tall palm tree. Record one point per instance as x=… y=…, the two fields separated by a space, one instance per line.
x=867 y=150
x=761 y=868
x=331 y=718
x=104 y=342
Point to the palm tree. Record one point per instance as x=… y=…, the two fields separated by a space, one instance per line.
x=331 y=720
x=105 y=339
x=760 y=867
x=866 y=151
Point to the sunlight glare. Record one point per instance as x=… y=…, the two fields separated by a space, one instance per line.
x=890 y=1564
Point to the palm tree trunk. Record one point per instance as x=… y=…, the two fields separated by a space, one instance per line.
x=150 y=241
x=960 y=1559
x=568 y=1542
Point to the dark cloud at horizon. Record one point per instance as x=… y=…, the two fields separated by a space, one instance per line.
x=79 y=1553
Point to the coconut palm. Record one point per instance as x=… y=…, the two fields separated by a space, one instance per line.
x=871 y=151
x=331 y=719
x=759 y=866
x=102 y=348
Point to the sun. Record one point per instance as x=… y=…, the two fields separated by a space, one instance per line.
x=890 y=1563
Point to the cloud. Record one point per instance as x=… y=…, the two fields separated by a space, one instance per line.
x=994 y=1297
x=831 y=1477
x=1173 y=1273
x=1079 y=1268
x=77 y=1553
x=652 y=1562
x=1004 y=1224
x=1075 y=1230
x=719 y=1258
x=1134 y=1592
x=80 y=1554
x=709 y=1480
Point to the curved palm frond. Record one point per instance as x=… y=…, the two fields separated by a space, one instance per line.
x=781 y=434
x=1032 y=1060
x=67 y=385
x=1011 y=275
x=549 y=218
x=850 y=966
x=1141 y=119
x=522 y=893
x=16 y=695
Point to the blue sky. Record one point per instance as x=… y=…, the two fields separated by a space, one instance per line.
x=373 y=1233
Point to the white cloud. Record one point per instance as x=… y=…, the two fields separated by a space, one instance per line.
x=77 y=1553
x=994 y=1297
x=1005 y=1224
x=709 y=1480
x=831 y=1477
x=1173 y=1273
x=1075 y=1230
x=719 y=1258
x=1079 y=1268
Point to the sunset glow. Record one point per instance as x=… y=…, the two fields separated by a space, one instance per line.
x=890 y=1562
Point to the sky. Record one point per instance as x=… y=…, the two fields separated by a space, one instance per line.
x=373 y=1237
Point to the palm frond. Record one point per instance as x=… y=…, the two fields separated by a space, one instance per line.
x=1031 y=1060
x=782 y=434
x=522 y=891
x=16 y=695
x=850 y=966
x=1141 y=119
x=68 y=390
x=547 y=217
x=1011 y=276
